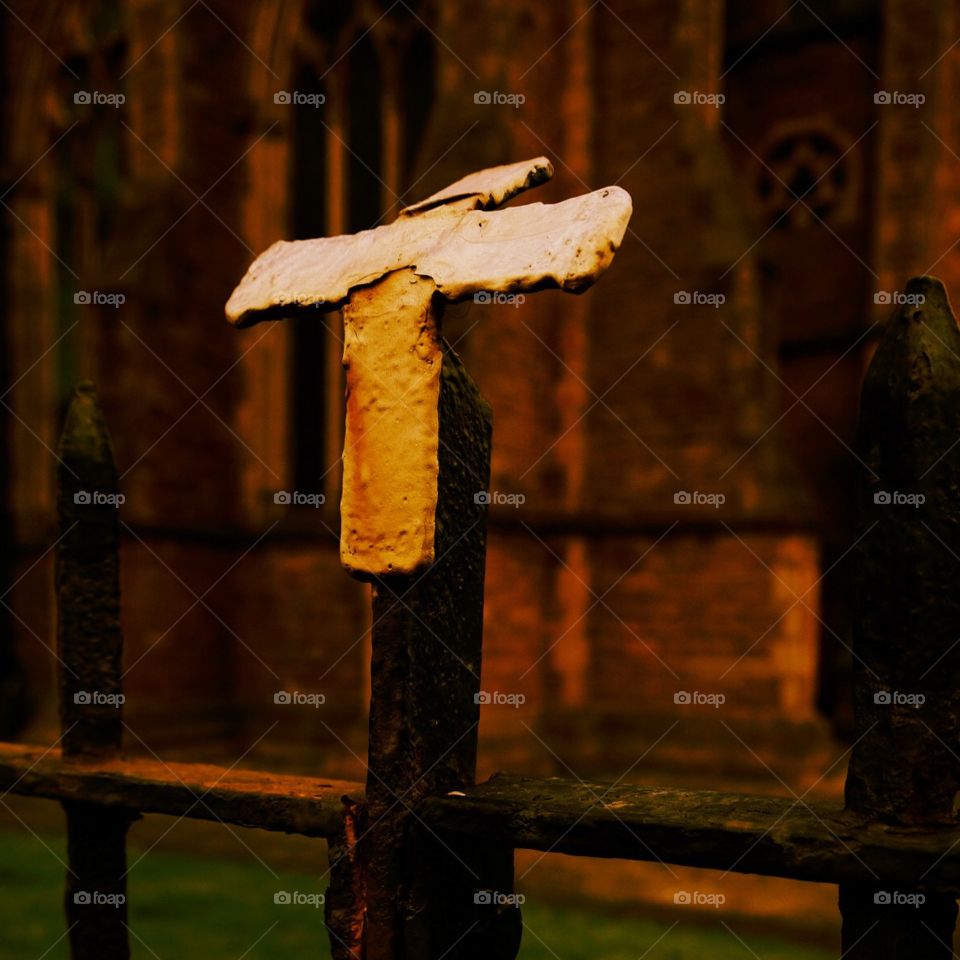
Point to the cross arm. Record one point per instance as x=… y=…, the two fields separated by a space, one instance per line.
x=409 y=401
x=531 y=247
x=487 y=189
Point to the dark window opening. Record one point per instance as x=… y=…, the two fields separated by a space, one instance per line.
x=364 y=137
x=308 y=343
x=350 y=157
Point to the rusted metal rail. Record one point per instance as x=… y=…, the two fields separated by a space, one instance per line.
x=736 y=833
x=309 y=806
x=771 y=836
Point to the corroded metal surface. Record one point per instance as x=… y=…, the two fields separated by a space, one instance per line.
x=393 y=357
x=90 y=649
x=345 y=906
x=905 y=764
x=427 y=640
x=89 y=642
x=309 y=806
x=531 y=247
x=773 y=836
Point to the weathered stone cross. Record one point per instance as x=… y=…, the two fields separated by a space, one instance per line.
x=389 y=282
x=416 y=454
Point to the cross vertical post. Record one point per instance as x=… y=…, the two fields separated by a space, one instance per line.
x=427 y=641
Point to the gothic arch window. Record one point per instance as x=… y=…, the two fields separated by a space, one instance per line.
x=812 y=161
x=362 y=83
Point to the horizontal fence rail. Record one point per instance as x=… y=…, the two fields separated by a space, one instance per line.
x=309 y=806
x=735 y=833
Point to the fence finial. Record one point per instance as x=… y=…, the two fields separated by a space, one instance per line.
x=90 y=647
x=88 y=584
x=905 y=764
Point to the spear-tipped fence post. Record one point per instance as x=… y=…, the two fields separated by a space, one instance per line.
x=90 y=650
x=905 y=765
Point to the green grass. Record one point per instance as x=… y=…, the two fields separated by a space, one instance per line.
x=580 y=935
x=184 y=907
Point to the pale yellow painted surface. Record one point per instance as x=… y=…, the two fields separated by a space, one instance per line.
x=393 y=359
x=566 y=245
x=450 y=245
x=488 y=188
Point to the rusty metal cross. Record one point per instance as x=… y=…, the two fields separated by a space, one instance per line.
x=416 y=453
x=391 y=282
